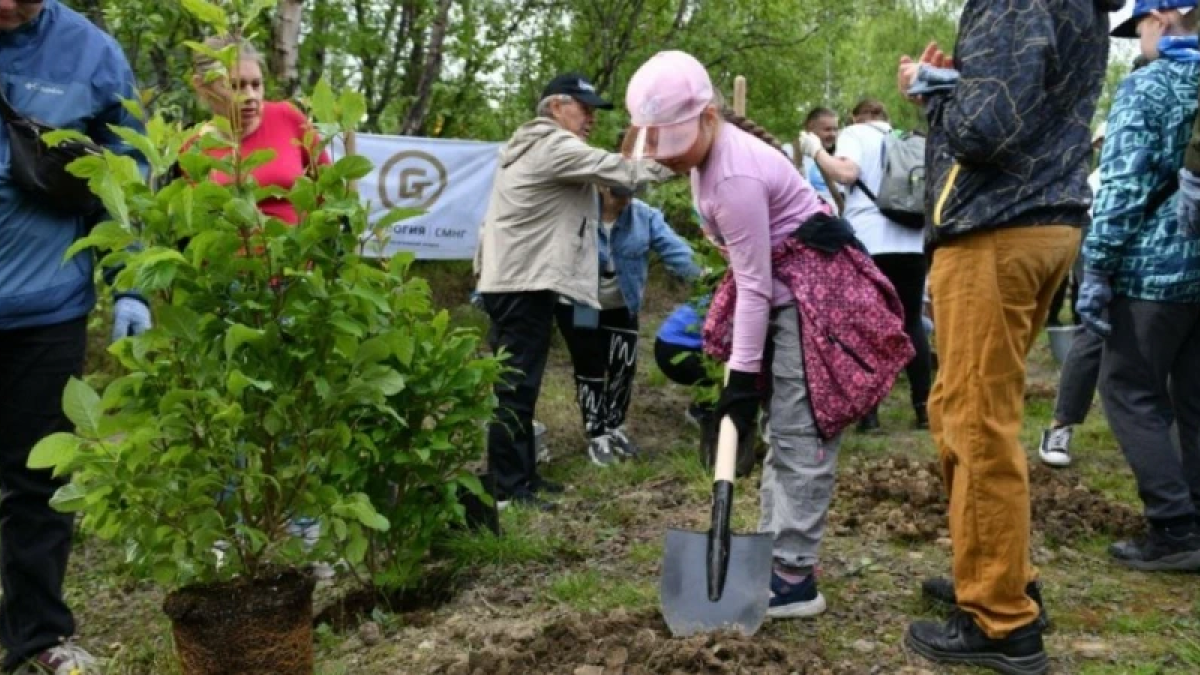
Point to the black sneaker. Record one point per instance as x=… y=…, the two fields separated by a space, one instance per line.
x=800 y=601
x=541 y=485
x=526 y=500
x=1160 y=550
x=960 y=640
x=941 y=589
x=869 y=424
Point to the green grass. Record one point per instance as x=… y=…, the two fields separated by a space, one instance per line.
x=591 y=591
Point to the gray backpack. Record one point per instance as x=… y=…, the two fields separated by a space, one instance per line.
x=902 y=190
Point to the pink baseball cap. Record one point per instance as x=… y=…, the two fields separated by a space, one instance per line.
x=665 y=99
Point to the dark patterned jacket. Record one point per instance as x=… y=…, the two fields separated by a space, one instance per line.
x=1011 y=145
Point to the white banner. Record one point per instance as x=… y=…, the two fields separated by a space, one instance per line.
x=450 y=180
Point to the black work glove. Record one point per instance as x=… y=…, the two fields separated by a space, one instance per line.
x=739 y=402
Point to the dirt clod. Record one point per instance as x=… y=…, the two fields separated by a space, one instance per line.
x=638 y=644
x=903 y=498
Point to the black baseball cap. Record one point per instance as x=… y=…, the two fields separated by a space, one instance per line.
x=577 y=87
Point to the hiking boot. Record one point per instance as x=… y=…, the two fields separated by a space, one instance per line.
x=526 y=500
x=66 y=659
x=960 y=640
x=1161 y=550
x=621 y=443
x=941 y=589
x=1055 y=449
x=541 y=485
x=870 y=423
x=602 y=451
x=795 y=601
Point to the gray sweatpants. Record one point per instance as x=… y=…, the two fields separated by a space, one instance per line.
x=1150 y=377
x=798 y=473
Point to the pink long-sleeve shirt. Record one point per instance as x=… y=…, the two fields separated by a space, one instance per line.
x=751 y=198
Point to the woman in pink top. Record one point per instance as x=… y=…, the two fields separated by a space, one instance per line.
x=814 y=323
x=263 y=125
x=751 y=199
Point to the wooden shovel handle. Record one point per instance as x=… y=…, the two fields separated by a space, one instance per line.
x=727 y=444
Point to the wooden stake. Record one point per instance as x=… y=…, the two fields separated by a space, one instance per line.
x=739 y=95
x=351 y=149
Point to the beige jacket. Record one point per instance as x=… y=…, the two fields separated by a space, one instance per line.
x=540 y=230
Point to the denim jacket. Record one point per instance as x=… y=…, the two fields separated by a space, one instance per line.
x=639 y=230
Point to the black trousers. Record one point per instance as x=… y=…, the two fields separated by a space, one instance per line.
x=521 y=325
x=1149 y=380
x=605 y=363
x=35 y=539
x=907 y=272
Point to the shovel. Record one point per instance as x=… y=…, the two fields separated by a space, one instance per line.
x=716 y=580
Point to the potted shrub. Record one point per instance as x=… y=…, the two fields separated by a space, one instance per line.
x=276 y=365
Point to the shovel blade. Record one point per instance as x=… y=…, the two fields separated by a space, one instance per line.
x=683 y=589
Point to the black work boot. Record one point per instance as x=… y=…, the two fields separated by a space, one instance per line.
x=941 y=589
x=960 y=640
x=870 y=423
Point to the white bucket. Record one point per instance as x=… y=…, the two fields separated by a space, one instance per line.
x=1061 y=338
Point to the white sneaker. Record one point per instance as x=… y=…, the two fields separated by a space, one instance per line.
x=1055 y=448
x=602 y=451
x=66 y=659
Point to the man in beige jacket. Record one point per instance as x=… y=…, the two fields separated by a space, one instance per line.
x=537 y=244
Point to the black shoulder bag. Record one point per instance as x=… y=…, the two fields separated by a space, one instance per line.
x=41 y=170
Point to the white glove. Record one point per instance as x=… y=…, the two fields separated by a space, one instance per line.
x=130 y=317
x=810 y=145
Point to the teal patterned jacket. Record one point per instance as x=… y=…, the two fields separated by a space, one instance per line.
x=1011 y=145
x=1146 y=255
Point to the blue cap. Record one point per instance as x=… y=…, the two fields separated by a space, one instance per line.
x=1141 y=8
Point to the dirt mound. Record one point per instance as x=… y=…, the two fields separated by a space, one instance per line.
x=619 y=643
x=1065 y=509
x=903 y=498
x=897 y=498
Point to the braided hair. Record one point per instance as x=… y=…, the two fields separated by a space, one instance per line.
x=750 y=127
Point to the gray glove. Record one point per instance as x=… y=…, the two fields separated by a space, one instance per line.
x=1187 y=211
x=131 y=316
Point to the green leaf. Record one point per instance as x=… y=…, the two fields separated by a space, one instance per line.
x=179 y=321
x=138 y=142
x=209 y=14
x=237 y=382
x=57 y=449
x=356 y=550
x=69 y=498
x=238 y=335
x=81 y=403
x=353 y=167
x=59 y=136
x=371 y=351
x=354 y=106
x=323 y=104
x=107 y=236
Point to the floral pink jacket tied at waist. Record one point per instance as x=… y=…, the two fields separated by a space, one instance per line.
x=851 y=325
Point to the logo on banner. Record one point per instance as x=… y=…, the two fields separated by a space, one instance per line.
x=412 y=179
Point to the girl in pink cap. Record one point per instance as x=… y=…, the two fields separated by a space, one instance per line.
x=755 y=206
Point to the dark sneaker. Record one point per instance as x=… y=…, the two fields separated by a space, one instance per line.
x=66 y=659
x=869 y=424
x=621 y=443
x=526 y=500
x=1055 y=448
x=794 y=601
x=602 y=451
x=941 y=589
x=1160 y=550
x=960 y=640
x=541 y=485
